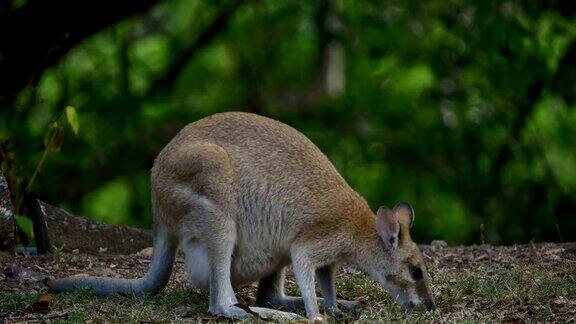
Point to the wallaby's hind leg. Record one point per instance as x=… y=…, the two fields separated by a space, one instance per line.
x=219 y=250
x=204 y=197
x=209 y=258
x=271 y=292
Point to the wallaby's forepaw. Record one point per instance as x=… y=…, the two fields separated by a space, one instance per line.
x=230 y=312
x=349 y=305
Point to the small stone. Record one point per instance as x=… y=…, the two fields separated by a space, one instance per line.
x=183 y=311
x=75 y=251
x=104 y=272
x=22 y=274
x=482 y=257
x=555 y=251
x=147 y=252
x=83 y=264
x=439 y=243
x=102 y=250
x=555 y=257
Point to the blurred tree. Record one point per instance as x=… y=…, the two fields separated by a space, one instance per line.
x=463 y=108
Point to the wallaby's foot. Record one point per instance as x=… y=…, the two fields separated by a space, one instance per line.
x=230 y=312
x=334 y=311
x=267 y=313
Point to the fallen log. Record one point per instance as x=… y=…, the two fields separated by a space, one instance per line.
x=7 y=224
x=62 y=230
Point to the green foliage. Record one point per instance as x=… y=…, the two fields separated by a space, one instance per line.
x=463 y=108
x=110 y=203
x=72 y=118
x=25 y=224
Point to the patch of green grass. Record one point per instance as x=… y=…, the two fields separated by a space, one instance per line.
x=84 y=305
x=10 y=301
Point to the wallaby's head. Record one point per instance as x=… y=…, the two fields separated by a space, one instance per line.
x=395 y=261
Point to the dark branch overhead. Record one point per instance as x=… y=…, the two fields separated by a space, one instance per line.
x=204 y=37
x=36 y=35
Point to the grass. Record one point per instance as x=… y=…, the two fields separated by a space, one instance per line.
x=513 y=284
x=83 y=305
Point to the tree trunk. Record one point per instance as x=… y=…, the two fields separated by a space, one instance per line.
x=7 y=225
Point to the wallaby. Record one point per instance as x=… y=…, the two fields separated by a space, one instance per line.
x=245 y=196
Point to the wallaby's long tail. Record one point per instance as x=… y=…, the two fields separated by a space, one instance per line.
x=155 y=280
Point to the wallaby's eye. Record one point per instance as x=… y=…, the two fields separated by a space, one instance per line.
x=416 y=273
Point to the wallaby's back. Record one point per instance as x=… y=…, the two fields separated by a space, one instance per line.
x=270 y=160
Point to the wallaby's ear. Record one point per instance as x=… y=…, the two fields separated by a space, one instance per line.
x=405 y=214
x=388 y=227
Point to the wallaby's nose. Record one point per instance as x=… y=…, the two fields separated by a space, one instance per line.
x=430 y=306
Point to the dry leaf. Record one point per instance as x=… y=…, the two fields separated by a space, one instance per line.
x=42 y=305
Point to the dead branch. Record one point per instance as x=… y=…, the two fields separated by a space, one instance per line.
x=7 y=225
x=69 y=232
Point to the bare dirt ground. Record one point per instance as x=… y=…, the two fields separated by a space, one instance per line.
x=523 y=283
